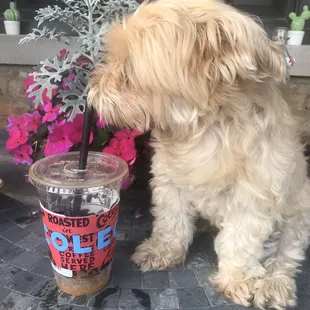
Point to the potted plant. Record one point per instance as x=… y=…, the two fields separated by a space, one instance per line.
x=296 y=34
x=11 y=20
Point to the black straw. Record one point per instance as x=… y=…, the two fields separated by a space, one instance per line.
x=88 y=118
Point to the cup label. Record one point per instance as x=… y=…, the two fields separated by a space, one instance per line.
x=80 y=243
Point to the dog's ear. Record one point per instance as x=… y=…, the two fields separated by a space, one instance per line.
x=234 y=46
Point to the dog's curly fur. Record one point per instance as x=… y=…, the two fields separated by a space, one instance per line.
x=206 y=80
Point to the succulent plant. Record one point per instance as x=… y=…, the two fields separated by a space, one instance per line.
x=298 y=22
x=12 y=14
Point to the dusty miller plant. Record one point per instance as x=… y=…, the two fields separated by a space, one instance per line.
x=89 y=21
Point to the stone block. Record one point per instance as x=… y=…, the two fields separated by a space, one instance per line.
x=155 y=279
x=192 y=298
x=23 y=282
x=182 y=278
x=128 y=279
x=25 y=260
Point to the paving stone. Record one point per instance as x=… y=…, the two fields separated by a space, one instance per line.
x=164 y=299
x=19 y=216
x=104 y=308
x=80 y=300
x=8 y=250
x=7 y=272
x=64 y=298
x=129 y=279
x=5 y=224
x=125 y=223
x=155 y=279
x=107 y=298
x=123 y=252
x=192 y=298
x=25 y=260
x=36 y=227
x=134 y=299
x=46 y=289
x=123 y=235
x=23 y=281
x=303 y=289
x=69 y=307
x=143 y=224
x=182 y=278
x=16 y=301
x=27 y=216
x=4 y=292
x=198 y=260
x=30 y=242
x=7 y=202
x=44 y=268
x=14 y=234
x=214 y=297
x=208 y=308
x=234 y=307
x=139 y=235
x=42 y=249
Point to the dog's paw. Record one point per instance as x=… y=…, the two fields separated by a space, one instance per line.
x=152 y=255
x=277 y=291
x=238 y=289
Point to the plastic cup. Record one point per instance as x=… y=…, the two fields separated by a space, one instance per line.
x=80 y=213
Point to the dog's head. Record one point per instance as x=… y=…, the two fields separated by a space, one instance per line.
x=174 y=61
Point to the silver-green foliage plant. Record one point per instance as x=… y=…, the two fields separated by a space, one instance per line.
x=12 y=14
x=89 y=20
x=298 y=22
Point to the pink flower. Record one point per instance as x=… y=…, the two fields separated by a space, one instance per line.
x=57 y=142
x=124 y=148
x=17 y=138
x=74 y=130
x=22 y=154
x=51 y=112
x=59 y=122
x=29 y=81
x=127 y=134
x=33 y=121
x=83 y=62
x=62 y=54
x=15 y=122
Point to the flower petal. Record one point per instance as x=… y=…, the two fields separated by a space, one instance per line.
x=121 y=134
x=110 y=150
x=115 y=144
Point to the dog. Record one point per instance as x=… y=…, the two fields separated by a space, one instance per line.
x=206 y=80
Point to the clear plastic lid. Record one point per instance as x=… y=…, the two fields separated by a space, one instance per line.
x=61 y=171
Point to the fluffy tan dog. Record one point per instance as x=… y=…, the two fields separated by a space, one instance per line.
x=206 y=80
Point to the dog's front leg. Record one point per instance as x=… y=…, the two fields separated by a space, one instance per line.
x=172 y=233
x=239 y=247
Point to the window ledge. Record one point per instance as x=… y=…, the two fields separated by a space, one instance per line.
x=29 y=53
x=34 y=52
x=302 y=58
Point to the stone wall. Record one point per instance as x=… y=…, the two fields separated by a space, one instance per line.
x=12 y=92
x=14 y=101
x=299 y=92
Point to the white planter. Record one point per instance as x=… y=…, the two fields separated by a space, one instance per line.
x=12 y=27
x=295 y=37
